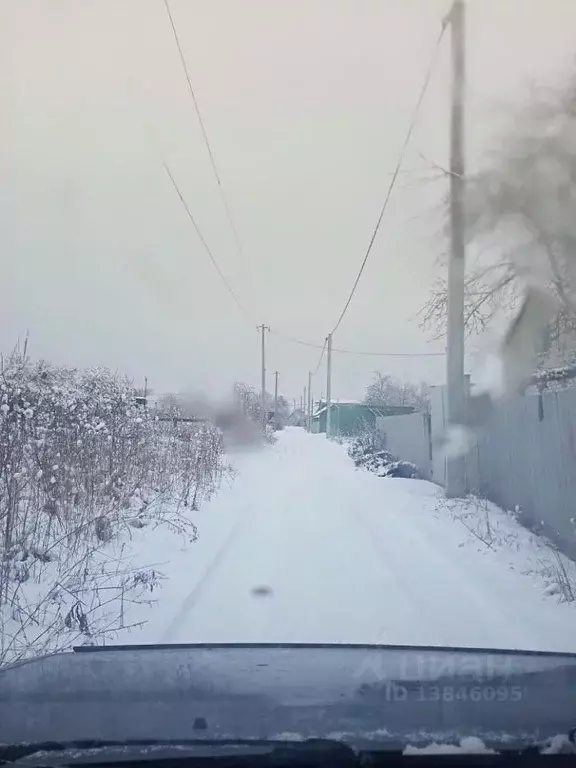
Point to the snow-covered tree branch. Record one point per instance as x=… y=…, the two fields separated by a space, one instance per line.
x=386 y=390
x=520 y=217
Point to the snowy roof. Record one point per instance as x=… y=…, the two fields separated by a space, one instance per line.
x=378 y=410
x=342 y=401
x=338 y=403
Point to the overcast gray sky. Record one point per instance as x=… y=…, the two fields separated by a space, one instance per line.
x=306 y=104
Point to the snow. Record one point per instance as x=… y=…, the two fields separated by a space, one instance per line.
x=302 y=547
x=560 y=744
x=469 y=745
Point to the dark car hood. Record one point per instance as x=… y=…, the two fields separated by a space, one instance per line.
x=377 y=694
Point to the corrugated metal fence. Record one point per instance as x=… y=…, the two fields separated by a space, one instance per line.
x=408 y=437
x=524 y=458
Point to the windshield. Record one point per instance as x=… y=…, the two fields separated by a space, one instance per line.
x=288 y=326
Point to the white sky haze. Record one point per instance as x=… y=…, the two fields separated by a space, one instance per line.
x=306 y=105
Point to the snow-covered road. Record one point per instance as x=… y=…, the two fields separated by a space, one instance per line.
x=348 y=557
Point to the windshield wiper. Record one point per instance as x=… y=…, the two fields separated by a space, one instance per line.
x=335 y=752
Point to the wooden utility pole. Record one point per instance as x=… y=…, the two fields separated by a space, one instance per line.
x=328 y=383
x=276 y=374
x=455 y=467
x=263 y=328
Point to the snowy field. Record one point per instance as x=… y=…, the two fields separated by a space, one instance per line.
x=346 y=556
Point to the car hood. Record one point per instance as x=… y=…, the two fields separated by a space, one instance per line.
x=386 y=695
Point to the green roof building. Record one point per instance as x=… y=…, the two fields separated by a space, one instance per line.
x=352 y=418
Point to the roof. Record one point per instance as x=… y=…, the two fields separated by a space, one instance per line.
x=340 y=401
x=352 y=404
x=377 y=410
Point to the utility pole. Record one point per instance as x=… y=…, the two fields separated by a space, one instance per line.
x=455 y=467
x=309 y=422
x=328 y=382
x=305 y=401
x=276 y=374
x=263 y=328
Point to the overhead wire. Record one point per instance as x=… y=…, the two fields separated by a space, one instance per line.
x=387 y=354
x=312 y=344
x=407 y=138
x=211 y=256
x=320 y=360
x=205 y=134
x=397 y=171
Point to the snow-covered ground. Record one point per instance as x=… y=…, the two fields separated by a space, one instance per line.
x=346 y=557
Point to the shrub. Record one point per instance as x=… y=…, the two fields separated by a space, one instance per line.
x=368 y=451
x=81 y=466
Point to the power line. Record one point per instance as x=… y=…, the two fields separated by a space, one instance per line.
x=394 y=176
x=205 y=133
x=205 y=244
x=246 y=314
x=388 y=354
x=305 y=343
x=320 y=360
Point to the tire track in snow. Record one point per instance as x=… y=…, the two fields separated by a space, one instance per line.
x=470 y=597
x=351 y=558
x=196 y=593
x=390 y=563
x=182 y=616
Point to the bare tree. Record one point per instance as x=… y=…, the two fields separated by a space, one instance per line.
x=520 y=219
x=385 y=390
x=250 y=402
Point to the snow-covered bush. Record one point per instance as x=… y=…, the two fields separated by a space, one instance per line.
x=368 y=451
x=375 y=462
x=81 y=466
x=405 y=469
x=368 y=443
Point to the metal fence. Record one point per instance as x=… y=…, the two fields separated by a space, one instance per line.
x=408 y=438
x=524 y=458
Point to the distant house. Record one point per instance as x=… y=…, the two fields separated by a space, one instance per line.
x=350 y=418
x=297 y=418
